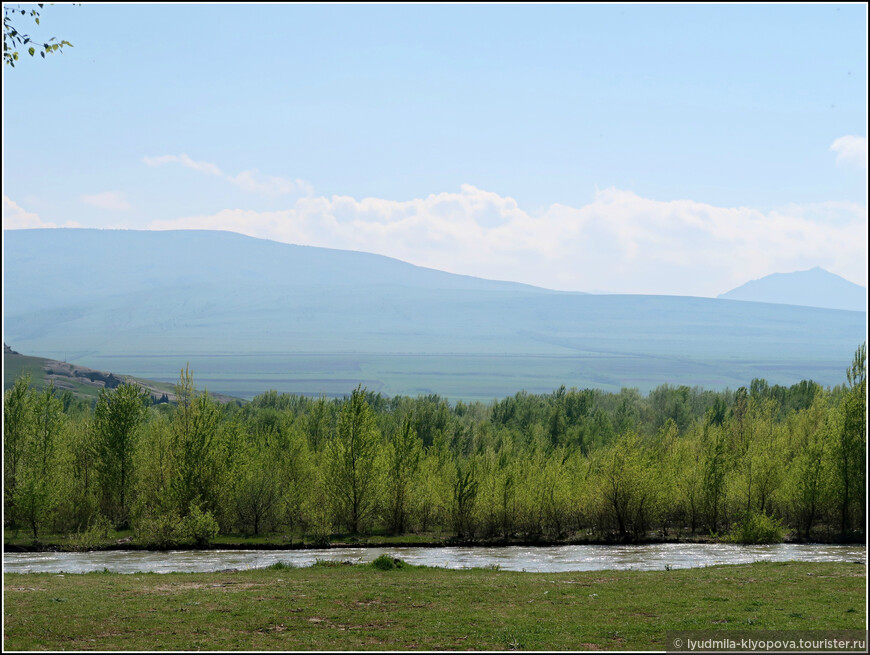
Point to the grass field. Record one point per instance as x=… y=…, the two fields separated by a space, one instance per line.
x=455 y=376
x=361 y=607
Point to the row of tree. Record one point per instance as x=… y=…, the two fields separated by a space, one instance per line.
x=574 y=462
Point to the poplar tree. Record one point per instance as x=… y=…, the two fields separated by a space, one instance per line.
x=117 y=417
x=194 y=431
x=18 y=428
x=404 y=462
x=851 y=448
x=351 y=461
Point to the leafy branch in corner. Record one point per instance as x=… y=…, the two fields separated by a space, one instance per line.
x=13 y=38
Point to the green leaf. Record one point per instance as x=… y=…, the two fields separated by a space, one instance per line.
x=31 y=50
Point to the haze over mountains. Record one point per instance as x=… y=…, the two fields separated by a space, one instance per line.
x=251 y=315
x=813 y=288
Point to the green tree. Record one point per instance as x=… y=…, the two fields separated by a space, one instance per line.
x=465 y=488
x=351 y=455
x=117 y=417
x=19 y=424
x=78 y=505
x=256 y=491
x=758 y=457
x=814 y=430
x=851 y=449
x=687 y=473
x=194 y=430
x=36 y=494
x=626 y=489
x=155 y=464
x=317 y=422
x=714 y=465
x=404 y=463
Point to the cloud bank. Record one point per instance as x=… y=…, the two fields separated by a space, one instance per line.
x=851 y=151
x=619 y=242
x=16 y=217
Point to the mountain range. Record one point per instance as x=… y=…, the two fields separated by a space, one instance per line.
x=250 y=315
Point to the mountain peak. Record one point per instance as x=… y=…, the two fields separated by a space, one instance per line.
x=814 y=287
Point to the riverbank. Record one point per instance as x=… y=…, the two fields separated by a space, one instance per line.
x=361 y=607
x=124 y=540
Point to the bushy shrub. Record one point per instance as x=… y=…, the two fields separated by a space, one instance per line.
x=757 y=528
x=386 y=563
x=198 y=527
x=168 y=530
x=94 y=536
x=158 y=531
x=280 y=566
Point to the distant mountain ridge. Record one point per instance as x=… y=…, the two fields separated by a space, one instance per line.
x=251 y=315
x=815 y=287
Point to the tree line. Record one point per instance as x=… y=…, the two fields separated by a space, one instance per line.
x=576 y=463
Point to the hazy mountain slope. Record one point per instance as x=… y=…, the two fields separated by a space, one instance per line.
x=124 y=262
x=813 y=288
x=250 y=315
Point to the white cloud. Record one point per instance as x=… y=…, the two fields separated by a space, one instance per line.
x=184 y=160
x=249 y=181
x=619 y=242
x=851 y=150
x=111 y=200
x=18 y=218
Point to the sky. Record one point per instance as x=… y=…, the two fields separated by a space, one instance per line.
x=655 y=149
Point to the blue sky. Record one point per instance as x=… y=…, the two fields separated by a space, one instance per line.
x=629 y=148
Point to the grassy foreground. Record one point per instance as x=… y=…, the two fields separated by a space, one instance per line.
x=361 y=607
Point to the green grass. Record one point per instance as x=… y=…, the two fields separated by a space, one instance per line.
x=407 y=608
x=14 y=366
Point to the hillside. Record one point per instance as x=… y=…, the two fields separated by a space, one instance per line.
x=815 y=287
x=250 y=315
x=82 y=382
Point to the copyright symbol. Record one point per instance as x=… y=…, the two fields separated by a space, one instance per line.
x=678 y=643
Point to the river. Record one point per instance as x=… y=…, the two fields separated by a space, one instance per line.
x=646 y=557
